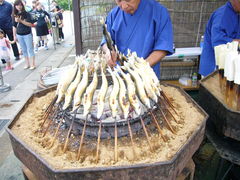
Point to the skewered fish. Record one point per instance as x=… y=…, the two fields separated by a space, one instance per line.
x=80 y=89
x=88 y=96
x=102 y=94
x=144 y=65
x=113 y=103
x=65 y=81
x=123 y=101
x=71 y=89
x=147 y=84
x=134 y=101
x=139 y=84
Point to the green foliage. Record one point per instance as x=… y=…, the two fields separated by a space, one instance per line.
x=64 y=4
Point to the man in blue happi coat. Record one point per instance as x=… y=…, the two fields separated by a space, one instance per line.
x=143 y=26
x=223 y=27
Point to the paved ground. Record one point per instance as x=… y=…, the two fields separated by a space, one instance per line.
x=24 y=83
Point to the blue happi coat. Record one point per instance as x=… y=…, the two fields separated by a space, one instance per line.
x=223 y=27
x=148 y=29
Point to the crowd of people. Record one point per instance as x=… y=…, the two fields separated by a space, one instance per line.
x=24 y=29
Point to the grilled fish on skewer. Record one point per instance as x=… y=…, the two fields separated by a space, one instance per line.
x=139 y=84
x=124 y=103
x=134 y=101
x=155 y=82
x=65 y=81
x=113 y=103
x=152 y=79
x=101 y=95
x=142 y=64
x=88 y=96
x=71 y=89
x=80 y=89
x=147 y=84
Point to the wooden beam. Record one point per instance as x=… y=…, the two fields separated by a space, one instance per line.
x=77 y=26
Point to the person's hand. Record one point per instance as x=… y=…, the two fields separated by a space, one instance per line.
x=12 y=42
x=238 y=40
x=14 y=39
x=47 y=20
x=111 y=59
x=17 y=19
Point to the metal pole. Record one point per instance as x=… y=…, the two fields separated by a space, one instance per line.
x=69 y=7
x=199 y=24
x=49 y=11
x=49 y=6
x=3 y=87
x=77 y=26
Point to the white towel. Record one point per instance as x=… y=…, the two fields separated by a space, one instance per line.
x=234 y=46
x=222 y=54
x=217 y=50
x=237 y=70
x=229 y=64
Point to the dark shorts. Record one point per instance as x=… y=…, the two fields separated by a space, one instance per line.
x=42 y=30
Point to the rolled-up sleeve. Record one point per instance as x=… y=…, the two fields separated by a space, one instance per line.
x=164 y=33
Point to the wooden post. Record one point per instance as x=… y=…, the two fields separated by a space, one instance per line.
x=77 y=26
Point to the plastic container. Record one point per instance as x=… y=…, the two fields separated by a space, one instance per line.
x=194 y=79
x=185 y=80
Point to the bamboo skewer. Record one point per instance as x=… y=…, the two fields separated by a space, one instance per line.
x=169 y=125
x=69 y=132
x=131 y=136
x=49 y=110
x=56 y=132
x=172 y=115
x=98 y=141
x=238 y=98
x=146 y=133
x=168 y=101
x=159 y=106
x=82 y=137
x=115 y=142
x=221 y=78
x=230 y=94
x=46 y=116
x=49 y=124
x=158 y=127
x=51 y=104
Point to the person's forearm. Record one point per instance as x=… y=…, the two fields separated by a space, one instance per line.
x=14 y=33
x=155 y=57
x=105 y=48
x=26 y=23
x=111 y=57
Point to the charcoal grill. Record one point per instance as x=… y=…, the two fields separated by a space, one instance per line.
x=159 y=170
